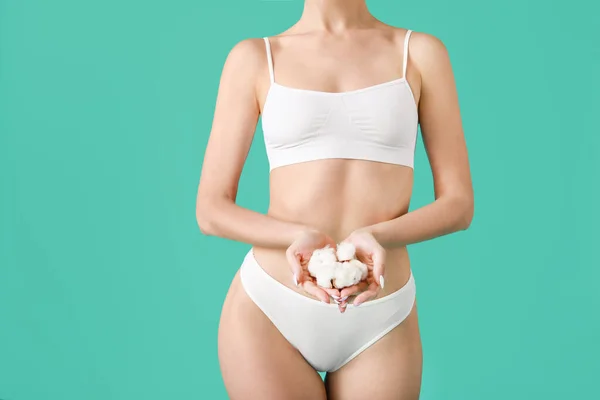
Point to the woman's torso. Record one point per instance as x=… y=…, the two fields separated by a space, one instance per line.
x=338 y=195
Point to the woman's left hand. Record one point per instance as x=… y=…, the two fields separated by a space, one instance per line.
x=370 y=252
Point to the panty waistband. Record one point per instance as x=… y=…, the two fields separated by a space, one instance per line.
x=253 y=275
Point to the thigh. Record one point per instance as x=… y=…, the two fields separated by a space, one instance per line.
x=256 y=361
x=390 y=369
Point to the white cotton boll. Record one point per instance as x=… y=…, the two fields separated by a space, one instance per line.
x=350 y=273
x=345 y=251
x=325 y=255
x=346 y=275
x=362 y=267
x=326 y=273
x=322 y=266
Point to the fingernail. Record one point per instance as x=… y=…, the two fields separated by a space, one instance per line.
x=381 y=281
x=356 y=305
x=335 y=297
x=344 y=298
x=295 y=280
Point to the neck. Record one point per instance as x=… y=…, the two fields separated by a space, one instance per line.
x=335 y=15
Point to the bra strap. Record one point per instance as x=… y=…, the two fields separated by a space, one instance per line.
x=269 y=58
x=405 y=55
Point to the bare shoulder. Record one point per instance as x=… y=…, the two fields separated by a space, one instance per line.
x=425 y=49
x=428 y=52
x=249 y=50
x=246 y=58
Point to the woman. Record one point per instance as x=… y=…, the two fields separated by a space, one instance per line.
x=340 y=95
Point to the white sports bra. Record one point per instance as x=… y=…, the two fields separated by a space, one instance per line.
x=375 y=123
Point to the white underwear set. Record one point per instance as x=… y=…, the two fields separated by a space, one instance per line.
x=376 y=123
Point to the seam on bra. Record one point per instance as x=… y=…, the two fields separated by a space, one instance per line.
x=357 y=126
x=346 y=92
x=320 y=130
x=306 y=140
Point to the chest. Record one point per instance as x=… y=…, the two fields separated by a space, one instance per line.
x=384 y=114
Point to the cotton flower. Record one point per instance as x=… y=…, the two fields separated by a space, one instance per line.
x=322 y=266
x=349 y=273
x=324 y=255
x=345 y=251
x=326 y=274
x=362 y=267
x=339 y=268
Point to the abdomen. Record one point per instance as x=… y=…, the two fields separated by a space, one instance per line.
x=338 y=196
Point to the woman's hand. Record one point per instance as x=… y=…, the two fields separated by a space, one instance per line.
x=298 y=255
x=370 y=252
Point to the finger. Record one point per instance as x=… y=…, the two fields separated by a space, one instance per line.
x=366 y=295
x=351 y=290
x=379 y=266
x=361 y=254
x=294 y=262
x=333 y=292
x=342 y=304
x=343 y=300
x=363 y=297
x=316 y=291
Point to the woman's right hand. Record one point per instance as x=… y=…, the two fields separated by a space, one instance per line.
x=298 y=255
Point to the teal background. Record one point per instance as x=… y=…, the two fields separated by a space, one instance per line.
x=109 y=291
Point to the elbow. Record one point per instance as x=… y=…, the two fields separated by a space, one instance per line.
x=205 y=218
x=204 y=223
x=467 y=210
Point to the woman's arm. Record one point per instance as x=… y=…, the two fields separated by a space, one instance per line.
x=235 y=118
x=444 y=141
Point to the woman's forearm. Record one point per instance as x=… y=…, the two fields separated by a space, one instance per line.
x=230 y=221
x=444 y=216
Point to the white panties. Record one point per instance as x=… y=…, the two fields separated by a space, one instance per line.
x=326 y=338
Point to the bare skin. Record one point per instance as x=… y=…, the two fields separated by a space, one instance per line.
x=336 y=46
